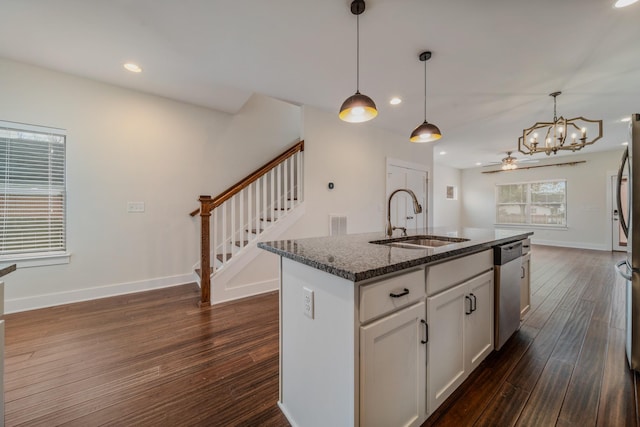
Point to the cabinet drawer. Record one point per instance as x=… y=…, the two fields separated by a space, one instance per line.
x=443 y=276
x=376 y=299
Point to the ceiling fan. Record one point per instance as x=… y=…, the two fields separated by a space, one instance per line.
x=510 y=162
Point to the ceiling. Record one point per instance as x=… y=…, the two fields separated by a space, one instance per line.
x=494 y=62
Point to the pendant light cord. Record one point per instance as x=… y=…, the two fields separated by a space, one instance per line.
x=555 y=116
x=358 y=53
x=425 y=90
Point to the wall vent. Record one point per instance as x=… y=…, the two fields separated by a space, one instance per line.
x=337 y=225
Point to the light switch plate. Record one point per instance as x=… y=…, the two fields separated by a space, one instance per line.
x=135 y=207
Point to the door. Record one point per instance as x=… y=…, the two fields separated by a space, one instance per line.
x=445 y=349
x=393 y=369
x=402 y=213
x=619 y=242
x=479 y=322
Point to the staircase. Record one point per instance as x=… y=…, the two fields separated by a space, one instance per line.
x=259 y=207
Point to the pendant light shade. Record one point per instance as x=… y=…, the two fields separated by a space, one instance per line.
x=358 y=107
x=426 y=132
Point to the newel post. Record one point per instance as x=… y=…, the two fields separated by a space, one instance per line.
x=205 y=250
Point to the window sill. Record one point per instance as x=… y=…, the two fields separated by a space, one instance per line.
x=36 y=260
x=534 y=226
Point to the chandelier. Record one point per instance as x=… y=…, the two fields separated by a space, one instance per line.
x=509 y=162
x=561 y=134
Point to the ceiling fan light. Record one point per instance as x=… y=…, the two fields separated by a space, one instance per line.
x=358 y=108
x=426 y=132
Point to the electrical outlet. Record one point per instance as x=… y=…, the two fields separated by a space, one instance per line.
x=308 y=302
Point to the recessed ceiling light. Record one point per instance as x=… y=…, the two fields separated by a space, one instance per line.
x=626 y=119
x=478 y=163
x=134 y=68
x=624 y=3
x=625 y=143
x=442 y=153
x=395 y=101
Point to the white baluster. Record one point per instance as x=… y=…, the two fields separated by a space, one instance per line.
x=214 y=239
x=249 y=211
x=272 y=195
x=233 y=224
x=292 y=188
x=279 y=184
x=224 y=232
x=238 y=237
x=299 y=176
x=285 y=179
x=258 y=183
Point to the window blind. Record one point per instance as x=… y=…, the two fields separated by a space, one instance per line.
x=32 y=189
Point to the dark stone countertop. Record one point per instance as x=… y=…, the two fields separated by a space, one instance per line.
x=352 y=257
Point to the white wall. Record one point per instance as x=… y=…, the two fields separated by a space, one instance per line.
x=353 y=157
x=588 y=213
x=446 y=213
x=125 y=146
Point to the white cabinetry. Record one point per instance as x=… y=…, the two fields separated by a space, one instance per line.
x=460 y=322
x=393 y=369
x=360 y=361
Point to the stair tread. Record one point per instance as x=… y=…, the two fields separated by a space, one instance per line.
x=245 y=243
x=219 y=257
x=198 y=271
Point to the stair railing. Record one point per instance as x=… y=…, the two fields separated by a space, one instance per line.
x=245 y=210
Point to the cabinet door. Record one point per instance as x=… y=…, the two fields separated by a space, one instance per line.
x=525 y=286
x=393 y=369
x=445 y=359
x=479 y=323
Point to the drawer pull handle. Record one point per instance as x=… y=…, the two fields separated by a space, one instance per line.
x=426 y=332
x=475 y=303
x=467 y=297
x=403 y=293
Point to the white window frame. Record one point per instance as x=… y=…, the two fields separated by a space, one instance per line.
x=45 y=257
x=527 y=204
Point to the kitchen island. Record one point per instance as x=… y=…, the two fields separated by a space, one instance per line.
x=375 y=332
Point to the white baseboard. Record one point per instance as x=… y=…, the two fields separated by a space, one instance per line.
x=49 y=300
x=574 y=245
x=248 y=290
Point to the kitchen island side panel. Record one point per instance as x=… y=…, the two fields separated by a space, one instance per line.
x=318 y=355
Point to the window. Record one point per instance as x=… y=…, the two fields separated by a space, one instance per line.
x=32 y=191
x=532 y=203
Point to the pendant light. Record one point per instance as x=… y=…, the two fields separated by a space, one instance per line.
x=426 y=132
x=358 y=107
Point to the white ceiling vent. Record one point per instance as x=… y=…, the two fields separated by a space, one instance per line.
x=337 y=225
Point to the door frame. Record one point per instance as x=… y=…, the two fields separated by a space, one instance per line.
x=416 y=167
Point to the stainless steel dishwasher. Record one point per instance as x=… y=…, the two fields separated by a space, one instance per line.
x=508 y=262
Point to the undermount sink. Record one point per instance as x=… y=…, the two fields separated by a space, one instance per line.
x=420 y=242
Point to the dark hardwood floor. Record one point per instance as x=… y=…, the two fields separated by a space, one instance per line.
x=567 y=365
x=157 y=359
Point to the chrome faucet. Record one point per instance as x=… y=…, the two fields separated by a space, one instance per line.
x=417 y=208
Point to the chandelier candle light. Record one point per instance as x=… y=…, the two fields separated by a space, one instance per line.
x=555 y=134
